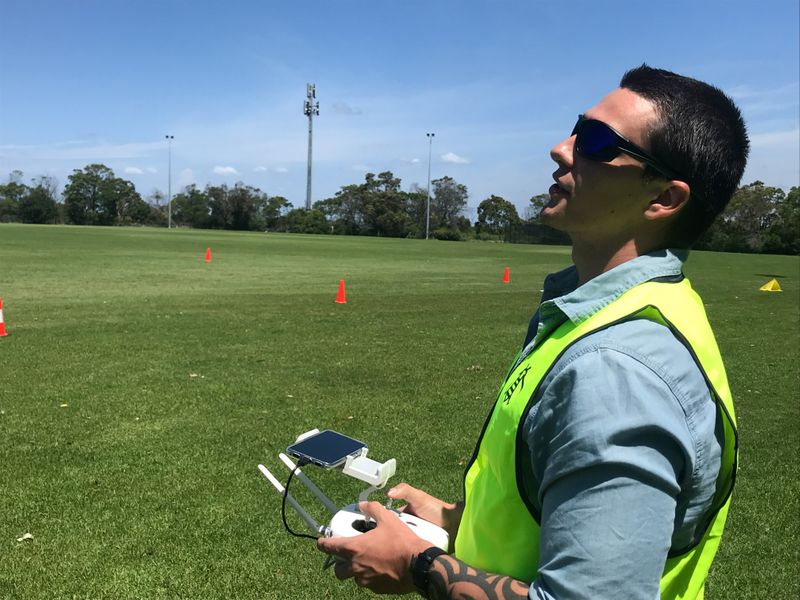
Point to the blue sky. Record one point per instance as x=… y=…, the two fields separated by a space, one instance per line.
x=499 y=82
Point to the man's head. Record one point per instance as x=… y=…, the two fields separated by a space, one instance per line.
x=700 y=133
x=662 y=155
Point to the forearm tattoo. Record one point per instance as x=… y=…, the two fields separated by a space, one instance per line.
x=451 y=579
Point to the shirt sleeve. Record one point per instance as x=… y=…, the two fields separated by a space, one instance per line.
x=610 y=448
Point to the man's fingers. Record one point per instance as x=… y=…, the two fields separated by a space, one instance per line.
x=373 y=509
x=413 y=497
x=337 y=546
x=403 y=491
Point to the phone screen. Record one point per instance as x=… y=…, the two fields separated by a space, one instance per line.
x=326 y=448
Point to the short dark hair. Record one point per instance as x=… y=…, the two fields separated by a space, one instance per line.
x=700 y=134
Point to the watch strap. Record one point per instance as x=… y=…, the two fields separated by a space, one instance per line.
x=421 y=568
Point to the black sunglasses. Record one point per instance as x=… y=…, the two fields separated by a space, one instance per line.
x=597 y=141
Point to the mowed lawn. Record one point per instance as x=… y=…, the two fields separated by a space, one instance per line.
x=140 y=386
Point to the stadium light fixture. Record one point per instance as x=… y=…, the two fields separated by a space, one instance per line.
x=430 y=137
x=169 y=139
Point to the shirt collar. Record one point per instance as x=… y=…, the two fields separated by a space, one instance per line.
x=562 y=299
x=579 y=303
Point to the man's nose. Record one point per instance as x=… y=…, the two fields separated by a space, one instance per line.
x=563 y=151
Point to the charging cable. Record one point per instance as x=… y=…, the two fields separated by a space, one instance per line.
x=300 y=464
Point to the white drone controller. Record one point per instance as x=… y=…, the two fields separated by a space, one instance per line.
x=349 y=521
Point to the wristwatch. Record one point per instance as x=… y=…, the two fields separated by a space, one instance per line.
x=421 y=568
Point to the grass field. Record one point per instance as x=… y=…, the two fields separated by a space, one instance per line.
x=140 y=386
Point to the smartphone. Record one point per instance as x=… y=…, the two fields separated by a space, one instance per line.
x=327 y=449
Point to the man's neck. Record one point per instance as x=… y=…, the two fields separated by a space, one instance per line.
x=595 y=258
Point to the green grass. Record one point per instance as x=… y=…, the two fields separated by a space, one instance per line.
x=180 y=376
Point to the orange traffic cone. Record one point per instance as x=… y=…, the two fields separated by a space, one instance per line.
x=506 y=277
x=340 y=297
x=208 y=254
x=2 y=323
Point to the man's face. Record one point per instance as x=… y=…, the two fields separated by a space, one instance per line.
x=603 y=202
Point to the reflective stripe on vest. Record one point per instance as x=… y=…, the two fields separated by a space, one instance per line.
x=499 y=533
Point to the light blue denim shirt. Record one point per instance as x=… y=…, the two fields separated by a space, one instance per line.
x=623 y=449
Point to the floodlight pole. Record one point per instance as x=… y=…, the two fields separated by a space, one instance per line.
x=169 y=181
x=311 y=108
x=428 y=204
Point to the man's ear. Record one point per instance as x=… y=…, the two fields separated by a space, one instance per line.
x=669 y=202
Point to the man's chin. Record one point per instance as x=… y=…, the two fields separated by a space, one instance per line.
x=550 y=216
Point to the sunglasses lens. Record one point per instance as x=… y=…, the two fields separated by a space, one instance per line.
x=596 y=141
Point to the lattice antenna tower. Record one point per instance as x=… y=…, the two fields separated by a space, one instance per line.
x=311 y=109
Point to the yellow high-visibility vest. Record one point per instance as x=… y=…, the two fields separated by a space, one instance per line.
x=499 y=534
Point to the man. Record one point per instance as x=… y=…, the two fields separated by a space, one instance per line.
x=605 y=467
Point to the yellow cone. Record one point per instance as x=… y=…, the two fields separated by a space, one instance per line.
x=771 y=286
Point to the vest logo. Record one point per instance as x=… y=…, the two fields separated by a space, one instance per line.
x=519 y=382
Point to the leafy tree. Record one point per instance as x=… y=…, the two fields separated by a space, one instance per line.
x=190 y=208
x=375 y=207
x=245 y=202
x=39 y=204
x=534 y=209
x=383 y=182
x=136 y=210
x=384 y=206
x=11 y=194
x=784 y=236
x=81 y=194
x=379 y=207
x=121 y=204
x=345 y=209
x=95 y=196
x=48 y=184
x=496 y=215
x=416 y=206
x=271 y=212
x=159 y=210
x=219 y=213
x=157 y=198
x=745 y=223
x=300 y=220
x=237 y=208
x=448 y=202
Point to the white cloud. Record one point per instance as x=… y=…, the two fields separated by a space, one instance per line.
x=151 y=170
x=263 y=169
x=220 y=170
x=410 y=161
x=133 y=171
x=342 y=108
x=454 y=159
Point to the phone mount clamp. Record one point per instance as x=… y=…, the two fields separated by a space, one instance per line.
x=362 y=468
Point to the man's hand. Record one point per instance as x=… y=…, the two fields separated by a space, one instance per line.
x=421 y=504
x=379 y=559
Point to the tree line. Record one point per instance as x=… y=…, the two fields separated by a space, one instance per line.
x=759 y=218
